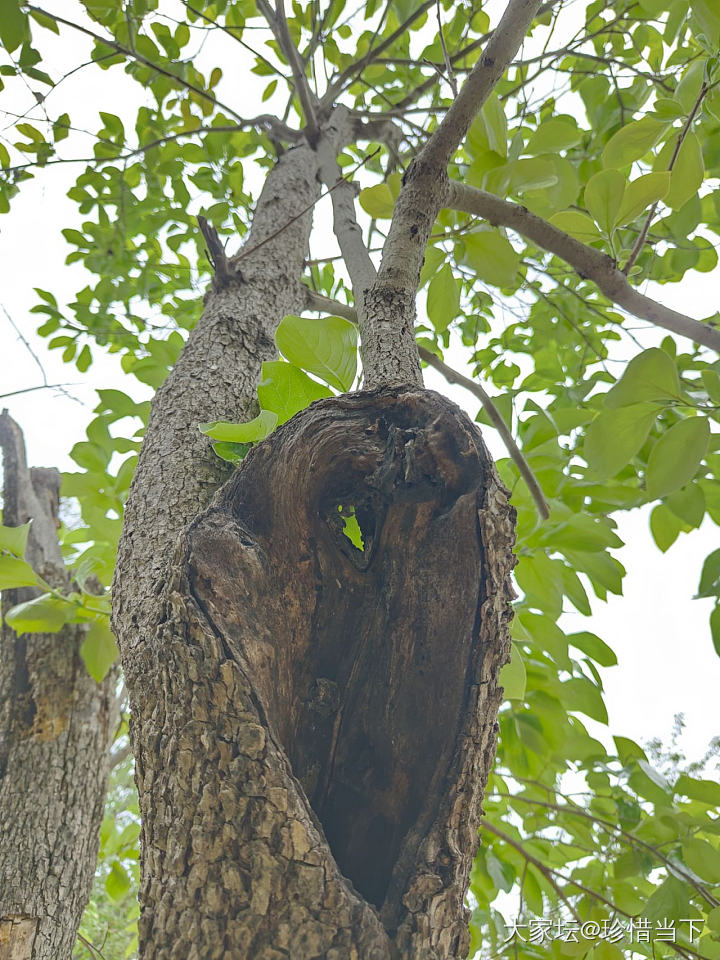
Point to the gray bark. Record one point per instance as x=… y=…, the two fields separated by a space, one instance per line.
x=56 y=726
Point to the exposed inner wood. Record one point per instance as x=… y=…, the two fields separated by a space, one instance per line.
x=367 y=661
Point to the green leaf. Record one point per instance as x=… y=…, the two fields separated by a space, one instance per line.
x=710 y=576
x=669 y=902
x=715 y=628
x=513 y=676
x=15 y=573
x=492 y=257
x=326 y=347
x=594 y=647
x=13 y=25
x=708 y=19
x=286 y=389
x=45 y=614
x=706 y=791
x=688 y=504
x=604 y=196
x=632 y=142
x=443 y=299
x=117 y=882
x=665 y=526
x=378 y=201
x=650 y=376
x=688 y=171
x=98 y=649
x=583 y=696
x=253 y=431
x=556 y=133
x=641 y=194
x=577 y=224
x=231 y=452
x=675 y=458
x=536 y=173
x=703 y=859
x=616 y=435
x=14 y=539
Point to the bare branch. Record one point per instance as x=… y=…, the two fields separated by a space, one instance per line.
x=496 y=418
x=501 y=48
x=590 y=263
x=388 y=339
x=446 y=59
x=345 y=226
x=278 y=24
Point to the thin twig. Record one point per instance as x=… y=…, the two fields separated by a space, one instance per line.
x=132 y=55
x=448 y=63
x=642 y=237
x=496 y=418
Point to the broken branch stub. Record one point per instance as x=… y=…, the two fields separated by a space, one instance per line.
x=357 y=567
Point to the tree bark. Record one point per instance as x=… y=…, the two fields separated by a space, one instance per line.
x=56 y=726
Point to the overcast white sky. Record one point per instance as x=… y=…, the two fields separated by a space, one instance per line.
x=667 y=664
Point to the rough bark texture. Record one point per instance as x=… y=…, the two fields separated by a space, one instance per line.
x=304 y=690
x=214 y=378
x=56 y=726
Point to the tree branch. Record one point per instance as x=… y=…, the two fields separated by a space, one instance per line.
x=496 y=418
x=278 y=24
x=501 y=48
x=589 y=263
x=387 y=315
x=355 y=69
x=345 y=226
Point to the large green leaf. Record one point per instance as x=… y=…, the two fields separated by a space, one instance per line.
x=443 y=300
x=285 y=389
x=641 y=194
x=15 y=572
x=633 y=141
x=650 y=376
x=604 y=196
x=492 y=257
x=326 y=347
x=14 y=539
x=98 y=649
x=557 y=133
x=13 y=25
x=675 y=458
x=616 y=435
x=513 y=676
x=688 y=170
x=250 y=432
x=44 y=614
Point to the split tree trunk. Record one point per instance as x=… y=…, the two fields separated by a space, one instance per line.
x=56 y=727
x=313 y=723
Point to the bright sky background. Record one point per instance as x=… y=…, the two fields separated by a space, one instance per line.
x=667 y=664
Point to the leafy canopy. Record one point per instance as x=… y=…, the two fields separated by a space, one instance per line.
x=608 y=126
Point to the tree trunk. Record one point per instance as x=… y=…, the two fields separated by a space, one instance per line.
x=313 y=722
x=56 y=726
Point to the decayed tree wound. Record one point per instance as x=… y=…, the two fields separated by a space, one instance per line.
x=354 y=688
